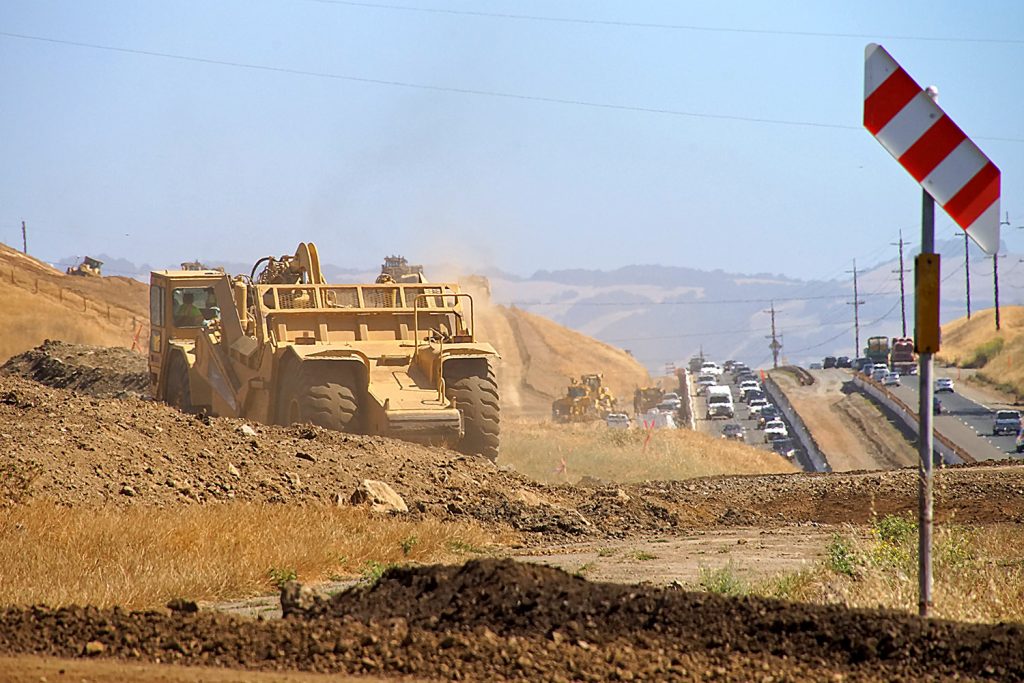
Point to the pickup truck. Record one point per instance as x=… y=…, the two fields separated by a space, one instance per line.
x=1007 y=422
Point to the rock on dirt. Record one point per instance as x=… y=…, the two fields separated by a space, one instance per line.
x=94 y=370
x=502 y=620
x=379 y=496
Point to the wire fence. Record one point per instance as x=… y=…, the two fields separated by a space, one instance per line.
x=76 y=301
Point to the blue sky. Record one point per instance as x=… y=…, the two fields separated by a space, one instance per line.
x=164 y=160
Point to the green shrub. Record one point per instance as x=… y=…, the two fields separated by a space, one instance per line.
x=723 y=581
x=841 y=557
x=280 y=576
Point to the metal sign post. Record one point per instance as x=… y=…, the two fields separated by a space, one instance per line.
x=926 y=307
x=911 y=126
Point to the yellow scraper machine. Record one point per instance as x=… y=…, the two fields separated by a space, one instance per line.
x=281 y=346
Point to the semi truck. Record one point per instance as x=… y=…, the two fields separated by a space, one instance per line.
x=902 y=358
x=877 y=350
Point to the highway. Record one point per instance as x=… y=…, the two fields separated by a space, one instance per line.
x=966 y=421
x=752 y=435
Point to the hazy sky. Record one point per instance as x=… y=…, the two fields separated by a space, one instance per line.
x=163 y=159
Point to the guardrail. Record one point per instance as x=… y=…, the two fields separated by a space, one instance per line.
x=817 y=461
x=949 y=452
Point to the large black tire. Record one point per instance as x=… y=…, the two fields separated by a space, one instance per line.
x=476 y=397
x=177 y=390
x=323 y=396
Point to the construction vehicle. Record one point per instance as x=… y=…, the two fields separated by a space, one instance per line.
x=585 y=400
x=877 y=350
x=196 y=265
x=89 y=267
x=397 y=269
x=645 y=398
x=281 y=346
x=902 y=358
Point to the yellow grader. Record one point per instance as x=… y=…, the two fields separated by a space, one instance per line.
x=281 y=346
x=585 y=400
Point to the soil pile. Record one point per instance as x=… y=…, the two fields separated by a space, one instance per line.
x=83 y=450
x=110 y=372
x=499 y=620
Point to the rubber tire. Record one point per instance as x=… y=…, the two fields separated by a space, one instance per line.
x=325 y=398
x=476 y=397
x=177 y=390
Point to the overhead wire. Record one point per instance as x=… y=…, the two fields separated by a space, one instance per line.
x=498 y=94
x=663 y=26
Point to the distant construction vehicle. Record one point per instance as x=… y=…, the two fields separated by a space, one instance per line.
x=281 y=346
x=585 y=400
x=646 y=398
x=196 y=265
x=397 y=269
x=89 y=267
x=902 y=358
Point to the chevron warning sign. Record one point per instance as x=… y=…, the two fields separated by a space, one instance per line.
x=912 y=127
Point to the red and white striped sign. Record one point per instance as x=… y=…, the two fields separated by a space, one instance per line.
x=933 y=149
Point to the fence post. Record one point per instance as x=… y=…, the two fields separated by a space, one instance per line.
x=36 y=289
x=85 y=304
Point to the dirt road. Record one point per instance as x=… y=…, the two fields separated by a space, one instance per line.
x=851 y=432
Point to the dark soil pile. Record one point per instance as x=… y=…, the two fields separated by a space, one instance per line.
x=110 y=372
x=500 y=620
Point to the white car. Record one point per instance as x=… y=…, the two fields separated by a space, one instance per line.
x=774 y=429
x=891 y=379
x=711 y=368
x=943 y=384
x=617 y=420
x=704 y=381
x=756 y=404
x=879 y=372
x=749 y=384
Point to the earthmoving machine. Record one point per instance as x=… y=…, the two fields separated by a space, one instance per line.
x=902 y=357
x=397 y=269
x=645 y=398
x=196 y=265
x=282 y=346
x=585 y=400
x=877 y=350
x=89 y=267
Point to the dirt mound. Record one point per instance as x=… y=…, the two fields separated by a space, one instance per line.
x=43 y=303
x=81 y=450
x=94 y=370
x=499 y=620
x=539 y=356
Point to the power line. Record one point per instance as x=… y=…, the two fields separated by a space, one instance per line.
x=664 y=26
x=695 y=302
x=451 y=89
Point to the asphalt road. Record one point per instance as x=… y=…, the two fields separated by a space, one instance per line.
x=966 y=422
x=753 y=436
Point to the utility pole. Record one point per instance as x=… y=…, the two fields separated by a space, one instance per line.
x=967 y=272
x=903 y=298
x=775 y=346
x=856 y=303
x=995 y=283
x=24 y=239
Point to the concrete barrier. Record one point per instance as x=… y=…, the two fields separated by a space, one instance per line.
x=816 y=460
x=949 y=452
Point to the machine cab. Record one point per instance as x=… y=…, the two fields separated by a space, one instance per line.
x=181 y=304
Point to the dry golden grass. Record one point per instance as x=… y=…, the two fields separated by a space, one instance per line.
x=999 y=355
x=538 y=450
x=978 y=572
x=143 y=557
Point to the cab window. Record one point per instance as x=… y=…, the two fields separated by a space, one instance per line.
x=192 y=306
x=156 y=305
